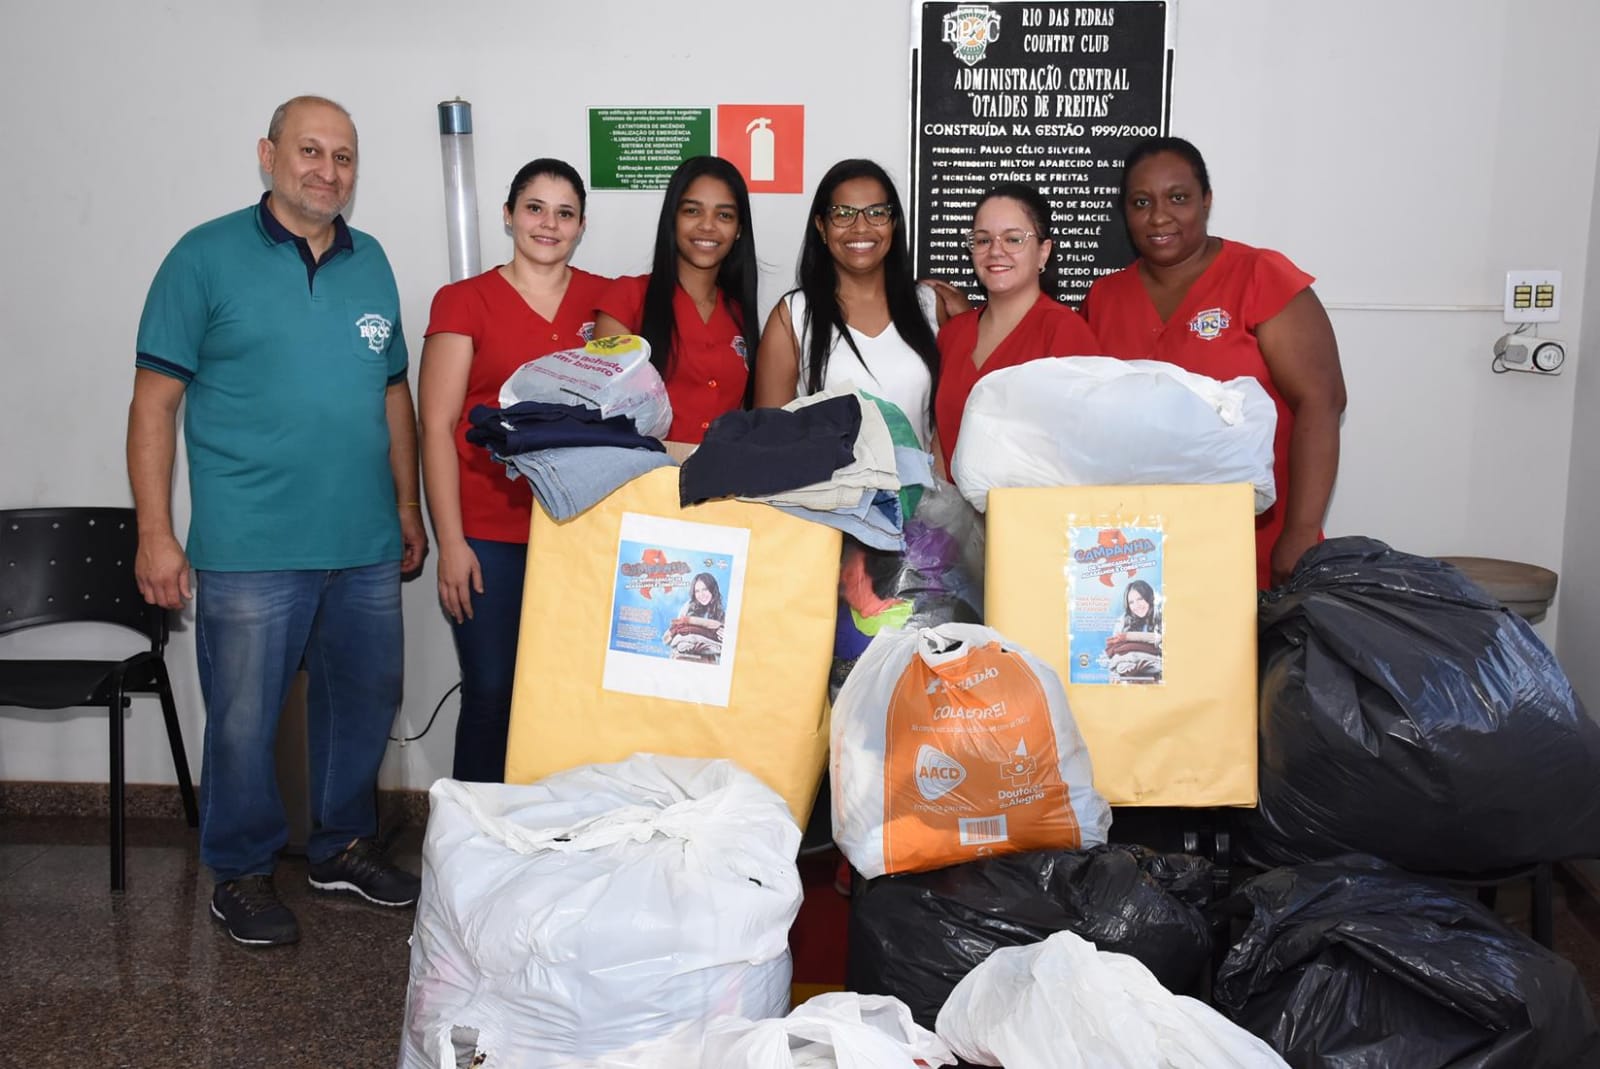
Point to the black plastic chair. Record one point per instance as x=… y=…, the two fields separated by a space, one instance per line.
x=75 y=565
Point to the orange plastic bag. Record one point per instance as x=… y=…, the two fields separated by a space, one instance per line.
x=951 y=744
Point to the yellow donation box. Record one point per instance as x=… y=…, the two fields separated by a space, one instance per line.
x=698 y=632
x=1143 y=598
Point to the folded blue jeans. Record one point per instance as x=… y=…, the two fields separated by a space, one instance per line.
x=253 y=630
x=874 y=521
x=569 y=481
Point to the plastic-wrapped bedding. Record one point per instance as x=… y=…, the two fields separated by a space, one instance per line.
x=1099 y=421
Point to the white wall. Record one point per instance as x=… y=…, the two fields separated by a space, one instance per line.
x=1580 y=571
x=1388 y=147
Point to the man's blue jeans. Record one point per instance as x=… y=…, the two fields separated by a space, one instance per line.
x=253 y=630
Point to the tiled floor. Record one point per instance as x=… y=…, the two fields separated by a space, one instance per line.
x=148 y=979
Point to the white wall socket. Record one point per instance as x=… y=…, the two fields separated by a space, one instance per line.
x=1533 y=296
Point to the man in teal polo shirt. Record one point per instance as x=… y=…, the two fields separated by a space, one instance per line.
x=278 y=326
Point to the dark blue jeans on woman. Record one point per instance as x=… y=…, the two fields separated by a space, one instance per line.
x=486 y=646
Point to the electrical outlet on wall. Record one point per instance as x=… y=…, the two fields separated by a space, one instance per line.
x=1533 y=296
x=1529 y=352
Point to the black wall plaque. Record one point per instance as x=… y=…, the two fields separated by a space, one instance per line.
x=1052 y=94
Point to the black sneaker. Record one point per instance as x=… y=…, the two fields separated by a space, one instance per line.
x=360 y=869
x=249 y=909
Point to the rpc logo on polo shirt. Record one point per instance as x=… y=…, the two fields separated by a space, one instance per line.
x=375 y=331
x=1209 y=324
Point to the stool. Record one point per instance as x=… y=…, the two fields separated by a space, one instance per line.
x=1525 y=589
x=1542 y=906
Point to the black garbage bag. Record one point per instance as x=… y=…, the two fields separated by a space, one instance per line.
x=1406 y=714
x=915 y=936
x=1353 y=964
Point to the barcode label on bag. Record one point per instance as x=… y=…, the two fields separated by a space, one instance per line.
x=975 y=831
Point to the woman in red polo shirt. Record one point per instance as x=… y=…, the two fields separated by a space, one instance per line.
x=697 y=306
x=1227 y=310
x=1011 y=245
x=481 y=330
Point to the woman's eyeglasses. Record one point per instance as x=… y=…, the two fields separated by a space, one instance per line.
x=1012 y=240
x=842 y=215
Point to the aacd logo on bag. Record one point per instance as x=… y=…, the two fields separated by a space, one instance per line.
x=969 y=29
x=937 y=773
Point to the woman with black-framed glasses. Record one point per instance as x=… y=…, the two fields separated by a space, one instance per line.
x=858 y=319
x=1011 y=244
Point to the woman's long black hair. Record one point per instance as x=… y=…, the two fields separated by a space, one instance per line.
x=818 y=279
x=736 y=277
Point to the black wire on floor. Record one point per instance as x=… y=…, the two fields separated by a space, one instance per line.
x=431 y=718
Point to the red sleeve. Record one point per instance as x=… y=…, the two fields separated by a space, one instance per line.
x=1071 y=336
x=457 y=309
x=1274 y=282
x=623 y=300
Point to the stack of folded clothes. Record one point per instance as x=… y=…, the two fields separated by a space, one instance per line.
x=571 y=455
x=830 y=458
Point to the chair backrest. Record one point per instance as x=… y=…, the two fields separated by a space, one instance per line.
x=73 y=565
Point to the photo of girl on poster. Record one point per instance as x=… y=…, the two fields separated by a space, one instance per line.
x=695 y=634
x=1133 y=651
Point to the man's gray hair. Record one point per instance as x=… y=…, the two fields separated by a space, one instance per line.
x=275 y=127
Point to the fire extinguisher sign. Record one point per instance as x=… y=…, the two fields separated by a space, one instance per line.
x=766 y=142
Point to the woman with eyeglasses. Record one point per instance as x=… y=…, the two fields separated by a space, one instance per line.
x=1011 y=244
x=697 y=306
x=858 y=319
x=1228 y=310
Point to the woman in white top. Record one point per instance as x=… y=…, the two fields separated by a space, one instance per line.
x=855 y=287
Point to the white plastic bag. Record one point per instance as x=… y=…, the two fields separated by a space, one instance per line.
x=950 y=744
x=944 y=507
x=1099 y=421
x=837 y=1030
x=596 y=909
x=1062 y=1004
x=612 y=374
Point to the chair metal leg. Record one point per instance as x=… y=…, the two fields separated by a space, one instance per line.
x=1544 y=905
x=180 y=759
x=118 y=703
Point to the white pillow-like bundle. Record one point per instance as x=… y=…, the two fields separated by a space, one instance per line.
x=1099 y=421
x=599 y=908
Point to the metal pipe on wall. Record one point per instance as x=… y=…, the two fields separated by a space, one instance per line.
x=460 y=187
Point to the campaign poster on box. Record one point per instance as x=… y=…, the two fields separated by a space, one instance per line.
x=676 y=595
x=1116 y=604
